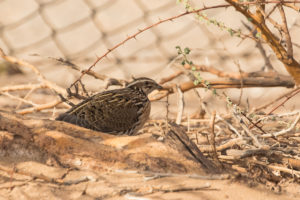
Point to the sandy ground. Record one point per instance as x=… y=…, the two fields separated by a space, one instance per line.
x=131 y=185
x=45 y=170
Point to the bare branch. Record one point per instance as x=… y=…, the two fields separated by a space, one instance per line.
x=286 y=32
x=180 y=105
x=22 y=63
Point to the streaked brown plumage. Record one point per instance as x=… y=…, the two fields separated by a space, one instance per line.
x=120 y=111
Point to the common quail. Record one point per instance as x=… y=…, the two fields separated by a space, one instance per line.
x=119 y=111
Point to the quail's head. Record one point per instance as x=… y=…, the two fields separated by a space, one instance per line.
x=147 y=85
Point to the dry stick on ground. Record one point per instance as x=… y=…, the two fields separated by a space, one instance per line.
x=230 y=126
x=279 y=115
x=180 y=105
x=235 y=154
x=177 y=189
x=288 y=96
x=44 y=177
x=271 y=166
x=226 y=145
x=253 y=123
x=294 y=163
x=155 y=175
x=244 y=153
x=250 y=134
x=279 y=168
x=167 y=114
x=136 y=192
x=283 y=131
x=236 y=114
x=213 y=135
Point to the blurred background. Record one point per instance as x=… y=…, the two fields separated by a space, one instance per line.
x=82 y=30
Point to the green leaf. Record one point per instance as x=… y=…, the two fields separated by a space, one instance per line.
x=199 y=78
x=258 y=35
x=214 y=91
x=183 y=62
x=252 y=115
x=230 y=31
x=179 y=51
x=187 y=50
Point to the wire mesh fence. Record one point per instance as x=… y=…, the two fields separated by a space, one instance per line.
x=81 y=29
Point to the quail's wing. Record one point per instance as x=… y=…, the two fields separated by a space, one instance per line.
x=74 y=115
x=112 y=111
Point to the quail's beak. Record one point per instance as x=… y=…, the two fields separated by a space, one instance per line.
x=160 y=87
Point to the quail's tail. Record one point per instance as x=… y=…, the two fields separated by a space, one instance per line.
x=67 y=118
x=73 y=119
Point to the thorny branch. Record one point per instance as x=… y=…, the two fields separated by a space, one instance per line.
x=141 y=31
x=287 y=94
x=286 y=57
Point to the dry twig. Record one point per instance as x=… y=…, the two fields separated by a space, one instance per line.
x=279 y=133
x=180 y=105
